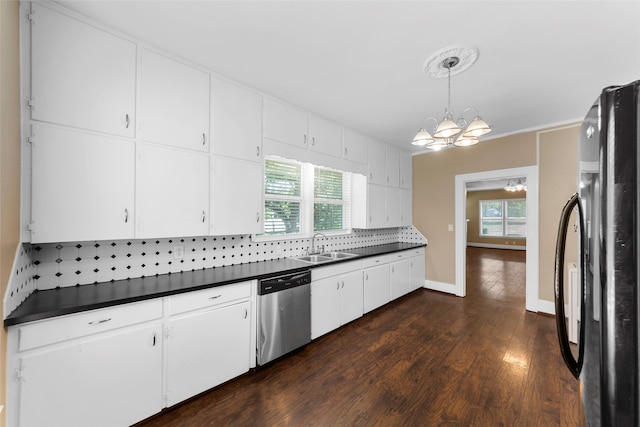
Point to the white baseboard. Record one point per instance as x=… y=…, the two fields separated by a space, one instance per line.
x=547 y=307
x=496 y=246
x=440 y=286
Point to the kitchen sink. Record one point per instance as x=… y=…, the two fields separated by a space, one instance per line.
x=324 y=257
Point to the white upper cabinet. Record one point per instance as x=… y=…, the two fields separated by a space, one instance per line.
x=237 y=197
x=393 y=167
x=377 y=162
x=172 y=192
x=81 y=76
x=326 y=136
x=406 y=170
x=406 y=208
x=285 y=124
x=174 y=103
x=392 y=203
x=355 y=146
x=237 y=122
x=82 y=186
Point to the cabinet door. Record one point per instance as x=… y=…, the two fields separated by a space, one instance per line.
x=393 y=166
x=207 y=349
x=114 y=380
x=172 y=192
x=285 y=124
x=326 y=136
x=174 y=103
x=351 y=297
x=377 y=162
x=325 y=306
x=82 y=186
x=400 y=278
x=392 y=204
x=417 y=270
x=376 y=207
x=81 y=76
x=406 y=213
x=376 y=287
x=233 y=211
x=406 y=170
x=237 y=122
x=355 y=146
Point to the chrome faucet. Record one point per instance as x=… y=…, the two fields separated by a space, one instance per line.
x=313 y=244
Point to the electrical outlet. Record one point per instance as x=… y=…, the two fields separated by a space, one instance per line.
x=178 y=251
x=450 y=227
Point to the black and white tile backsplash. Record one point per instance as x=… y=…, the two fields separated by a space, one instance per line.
x=52 y=265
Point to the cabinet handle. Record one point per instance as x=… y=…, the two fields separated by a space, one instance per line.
x=258 y=151
x=338 y=285
x=366 y=276
x=215 y=296
x=304 y=139
x=127 y=121
x=343 y=284
x=204 y=138
x=126 y=215
x=97 y=322
x=370 y=176
x=313 y=140
x=393 y=270
x=204 y=216
x=370 y=218
x=387 y=179
x=246 y=313
x=345 y=151
x=258 y=217
x=154 y=339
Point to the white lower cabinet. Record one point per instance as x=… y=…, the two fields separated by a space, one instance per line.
x=206 y=349
x=106 y=379
x=417 y=268
x=208 y=339
x=376 y=283
x=336 y=296
x=400 y=275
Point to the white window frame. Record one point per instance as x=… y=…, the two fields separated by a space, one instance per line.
x=504 y=218
x=307 y=201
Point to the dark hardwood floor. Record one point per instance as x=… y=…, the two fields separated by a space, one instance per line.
x=426 y=359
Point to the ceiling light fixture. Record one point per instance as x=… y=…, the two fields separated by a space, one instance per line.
x=516 y=184
x=448 y=132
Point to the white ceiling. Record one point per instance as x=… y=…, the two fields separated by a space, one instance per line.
x=360 y=62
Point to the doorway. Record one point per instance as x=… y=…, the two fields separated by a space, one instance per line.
x=530 y=173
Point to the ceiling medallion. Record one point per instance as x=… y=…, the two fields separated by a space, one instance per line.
x=449 y=132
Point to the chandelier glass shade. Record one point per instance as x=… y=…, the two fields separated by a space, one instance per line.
x=449 y=131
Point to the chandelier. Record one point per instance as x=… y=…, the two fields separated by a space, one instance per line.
x=448 y=132
x=516 y=184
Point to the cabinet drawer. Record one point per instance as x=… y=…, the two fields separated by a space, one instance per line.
x=397 y=256
x=72 y=326
x=335 y=269
x=417 y=252
x=209 y=297
x=376 y=260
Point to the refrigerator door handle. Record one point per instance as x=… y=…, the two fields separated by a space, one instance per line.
x=575 y=366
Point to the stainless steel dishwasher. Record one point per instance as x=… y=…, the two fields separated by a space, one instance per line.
x=284 y=315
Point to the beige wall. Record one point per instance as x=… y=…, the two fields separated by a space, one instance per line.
x=434 y=190
x=473 y=215
x=9 y=161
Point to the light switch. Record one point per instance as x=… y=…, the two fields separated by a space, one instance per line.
x=450 y=227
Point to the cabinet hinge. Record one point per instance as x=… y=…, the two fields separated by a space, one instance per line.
x=19 y=374
x=31 y=103
x=30 y=135
x=31 y=226
x=31 y=16
x=167 y=332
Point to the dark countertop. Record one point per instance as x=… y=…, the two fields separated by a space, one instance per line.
x=57 y=302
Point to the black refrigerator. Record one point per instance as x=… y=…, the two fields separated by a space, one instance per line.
x=606 y=358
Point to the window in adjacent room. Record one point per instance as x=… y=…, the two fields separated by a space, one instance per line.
x=503 y=218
